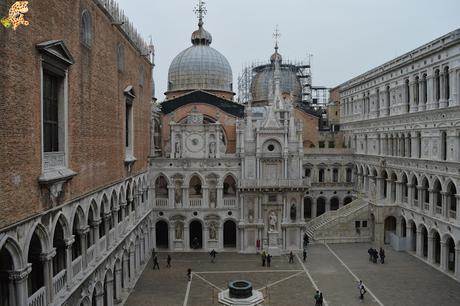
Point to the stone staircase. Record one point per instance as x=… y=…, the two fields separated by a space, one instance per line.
x=334 y=217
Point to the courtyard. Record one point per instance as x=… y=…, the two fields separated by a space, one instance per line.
x=334 y=269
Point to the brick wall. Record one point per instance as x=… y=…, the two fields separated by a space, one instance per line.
x=96 y=106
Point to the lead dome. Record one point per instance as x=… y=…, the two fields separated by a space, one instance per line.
x=200 y=67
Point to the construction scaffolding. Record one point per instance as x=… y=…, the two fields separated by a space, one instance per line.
x=312 y=96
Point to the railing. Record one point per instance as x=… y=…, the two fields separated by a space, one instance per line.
x=38 y=298
x=76 y=266
x=275 y=183
x=426 y=206
x=102 y=246
x=229 y=202
x=438 y=210
x=112 y=236
x=195 y=202
x=90 y=254
x=452 y=214
x=161 y=202
x=59 y=281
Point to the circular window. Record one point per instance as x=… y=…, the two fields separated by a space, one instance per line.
x=161 y=213
x=271 y=148
x=195 y=213
x=229 y=213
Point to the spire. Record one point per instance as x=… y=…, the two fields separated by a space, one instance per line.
x=276 y=59
x=201 y=36
x=276 y=36
x=200 y=11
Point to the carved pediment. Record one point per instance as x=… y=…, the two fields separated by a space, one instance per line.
x=56 y=49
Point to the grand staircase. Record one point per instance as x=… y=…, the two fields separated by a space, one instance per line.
x=335 y=217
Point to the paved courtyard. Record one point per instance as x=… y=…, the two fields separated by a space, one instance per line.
x=402 y=280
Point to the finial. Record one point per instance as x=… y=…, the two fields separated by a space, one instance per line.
x=200 y=10
x=276 y=36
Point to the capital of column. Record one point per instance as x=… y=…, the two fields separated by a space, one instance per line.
x=96 y=222
x=69 y=242
x=20 y=274
x=457 y=196
x=48 y=256
x=420 y=187
x=107 y=215
x=123 y=204
x=83 y=231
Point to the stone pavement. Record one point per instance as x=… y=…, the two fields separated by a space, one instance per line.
x=402 y=280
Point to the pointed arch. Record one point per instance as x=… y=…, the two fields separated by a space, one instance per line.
x=12 y=247
x=43 y=235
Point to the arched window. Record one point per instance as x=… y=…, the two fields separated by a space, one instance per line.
x=120 y=58
x=437 y=85
x=335 y=175
x=425 y=90
x=446 y=83
x=85 y=29
x=416 y=91
x=443 y=145
x=321 y=175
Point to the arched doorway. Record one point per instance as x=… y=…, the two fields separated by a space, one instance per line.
x=334 y=203
x=424 y=234
x=413 y=243
x=6 y=266
x=307 y=208
x=389 y=228
x=161 y=234
x=320 y=206
x=347 y=200
x=229 y=234
x=196 y=235
x=450 y=245
x=36 y=279
x=403 y=228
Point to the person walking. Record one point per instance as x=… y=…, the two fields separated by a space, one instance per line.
x=375 y=254
x=382 y=256
x=168 y=261
x=264 y=257
x=155 y=262
x=370 y=251
x=320 y=299
x=304 y=254
x=189 y=274
x=213 y=255
x=361 y=289
x=269 y=260
x=316 y=297
x=291 y=258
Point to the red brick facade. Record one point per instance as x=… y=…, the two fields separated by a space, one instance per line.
x=96 y=105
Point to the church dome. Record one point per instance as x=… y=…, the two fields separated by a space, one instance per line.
x=200 y=67
x=263 y=81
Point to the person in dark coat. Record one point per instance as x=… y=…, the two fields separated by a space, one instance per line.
x=382 y=255
x=168 y=261
x=317 y=297
x=370 y=251
x=320 y=299
x=264 y=257
x=375 y=254
x=291 y=258
x=304 y=255
x=155 y=262
x=269 y=260
x=213 y=255
x=189 y=274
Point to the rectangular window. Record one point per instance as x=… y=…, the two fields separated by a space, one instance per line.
x=51 y=112
x=357 y=224
x=331 y=144
x=364 y=223
x=321 y=175
x=272 y=198
x=321 y=144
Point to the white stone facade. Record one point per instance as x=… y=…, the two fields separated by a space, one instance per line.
x=402 y=120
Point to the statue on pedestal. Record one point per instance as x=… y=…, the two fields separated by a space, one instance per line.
x=179 y=231
x=212 y=231
x=273 y=220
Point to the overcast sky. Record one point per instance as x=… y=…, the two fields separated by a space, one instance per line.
x=346 y=37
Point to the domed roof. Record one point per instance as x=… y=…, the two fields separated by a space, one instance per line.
x=262 y=83
x=200 y=66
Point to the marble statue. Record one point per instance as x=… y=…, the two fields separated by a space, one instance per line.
x=273 y=220
x=179 y=230
x=212 y=231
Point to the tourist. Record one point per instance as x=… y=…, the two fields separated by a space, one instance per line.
x=382 y=256
x=375 y=255
x=291 y=257
x=168 y=261
x=304 y=255
x=316 y=297
x=153 y=252
x=213 y=254
x=361 y=289
x=264 y=257
x=320 y=299
x=269 y=260
x=189 y=274
x=155 y=262
x=370 y=252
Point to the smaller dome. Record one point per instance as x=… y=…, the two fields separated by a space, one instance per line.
x=201 y=37
x=276 y=57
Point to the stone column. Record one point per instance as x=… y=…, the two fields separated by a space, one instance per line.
x=313 y=208
x=100 y=298
x=186 y=237
x=95 y=226
x=379 y=182
x=132 y=266
x=409 y=237
x=205 y=197
x=457 y=263
x=47 y=260
x=108 y=291
x=399 y=194
x=453 y=99
x=444 y=252
x=444 y=208
x=205 y=237
x=19 y=280
x=422 y=101
x=68 y=257
x=457 y=197
x=432 y=208
x=411 y=102
x=125 y=264
x=82 y=235
x=443 y=101
x=185 y=202
x=107 y=217
x=171 y=197
x=118 y=277
x=410 y=194
x=419 y=248
x=430 y=249
x=430 y=101
x=220 y=196
x=302 y=208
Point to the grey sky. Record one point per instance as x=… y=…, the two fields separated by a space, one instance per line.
x=346 y=37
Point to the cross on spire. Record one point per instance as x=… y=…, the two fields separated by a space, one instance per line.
x=276 y=36
x=200 y=11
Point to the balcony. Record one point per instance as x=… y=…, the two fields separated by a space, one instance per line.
x=38 y=298
x=161 y=202
x=438 y=210
x=275 y=183
x=59 y=282
x=76 y=266
x=452 y=214
x=195 y=202
x=90 y=254
x=229 y=202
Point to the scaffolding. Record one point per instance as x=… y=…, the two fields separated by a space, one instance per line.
x=312 y=96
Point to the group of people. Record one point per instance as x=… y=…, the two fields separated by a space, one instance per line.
x=266 y=258
x=156 y=265
x=318 y=298
x=374 y=255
